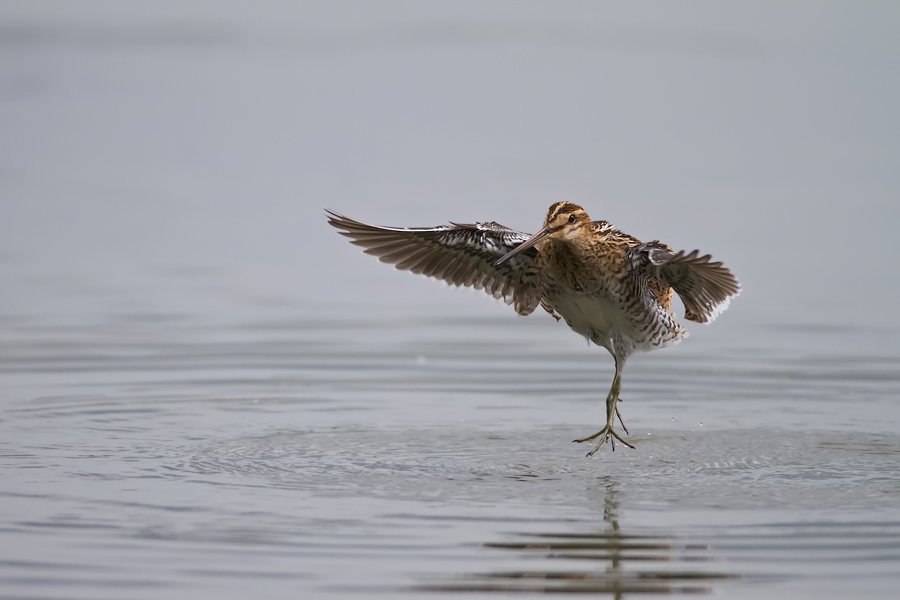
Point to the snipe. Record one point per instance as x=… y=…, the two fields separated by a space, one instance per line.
x=609 y=286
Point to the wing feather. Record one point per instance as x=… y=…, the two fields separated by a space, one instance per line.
x=461 y=255
x=705 y=287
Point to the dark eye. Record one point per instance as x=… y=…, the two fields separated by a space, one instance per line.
x=571 y=218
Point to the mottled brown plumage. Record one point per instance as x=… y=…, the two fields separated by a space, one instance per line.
x=608 y=286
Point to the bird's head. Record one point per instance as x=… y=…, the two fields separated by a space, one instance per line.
x=564 y=222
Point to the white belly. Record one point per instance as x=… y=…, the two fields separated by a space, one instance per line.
x=599 y=319
x=592 y=317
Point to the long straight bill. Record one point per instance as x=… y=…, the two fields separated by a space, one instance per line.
x=524 y=246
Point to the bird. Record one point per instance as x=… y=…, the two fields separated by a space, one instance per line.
x=608 y=286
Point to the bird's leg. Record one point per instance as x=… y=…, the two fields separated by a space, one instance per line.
x=611 y=412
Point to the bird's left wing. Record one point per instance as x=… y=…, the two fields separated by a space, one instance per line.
x=461 y=255
x=705 y=287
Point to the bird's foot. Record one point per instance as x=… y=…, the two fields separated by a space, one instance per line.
x=607 y=433
x=621 y=422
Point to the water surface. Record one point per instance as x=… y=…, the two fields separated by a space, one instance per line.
x=436 y=455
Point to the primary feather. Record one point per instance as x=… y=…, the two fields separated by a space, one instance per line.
x=461 y=255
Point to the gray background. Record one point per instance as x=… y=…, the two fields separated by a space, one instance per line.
x=179 y=143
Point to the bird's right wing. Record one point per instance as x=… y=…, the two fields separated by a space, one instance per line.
x=705 y=287
x=461 y=255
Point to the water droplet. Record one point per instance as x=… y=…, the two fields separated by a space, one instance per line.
x=420 y=360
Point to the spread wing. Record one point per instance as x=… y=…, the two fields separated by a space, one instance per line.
x=461 y=255
x=704 y=286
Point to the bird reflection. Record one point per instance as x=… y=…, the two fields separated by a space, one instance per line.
x=611 y=554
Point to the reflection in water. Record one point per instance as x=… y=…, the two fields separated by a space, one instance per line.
x=612 y=549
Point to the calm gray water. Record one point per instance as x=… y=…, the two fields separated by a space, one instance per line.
x=205 y=392
x=144 y=459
